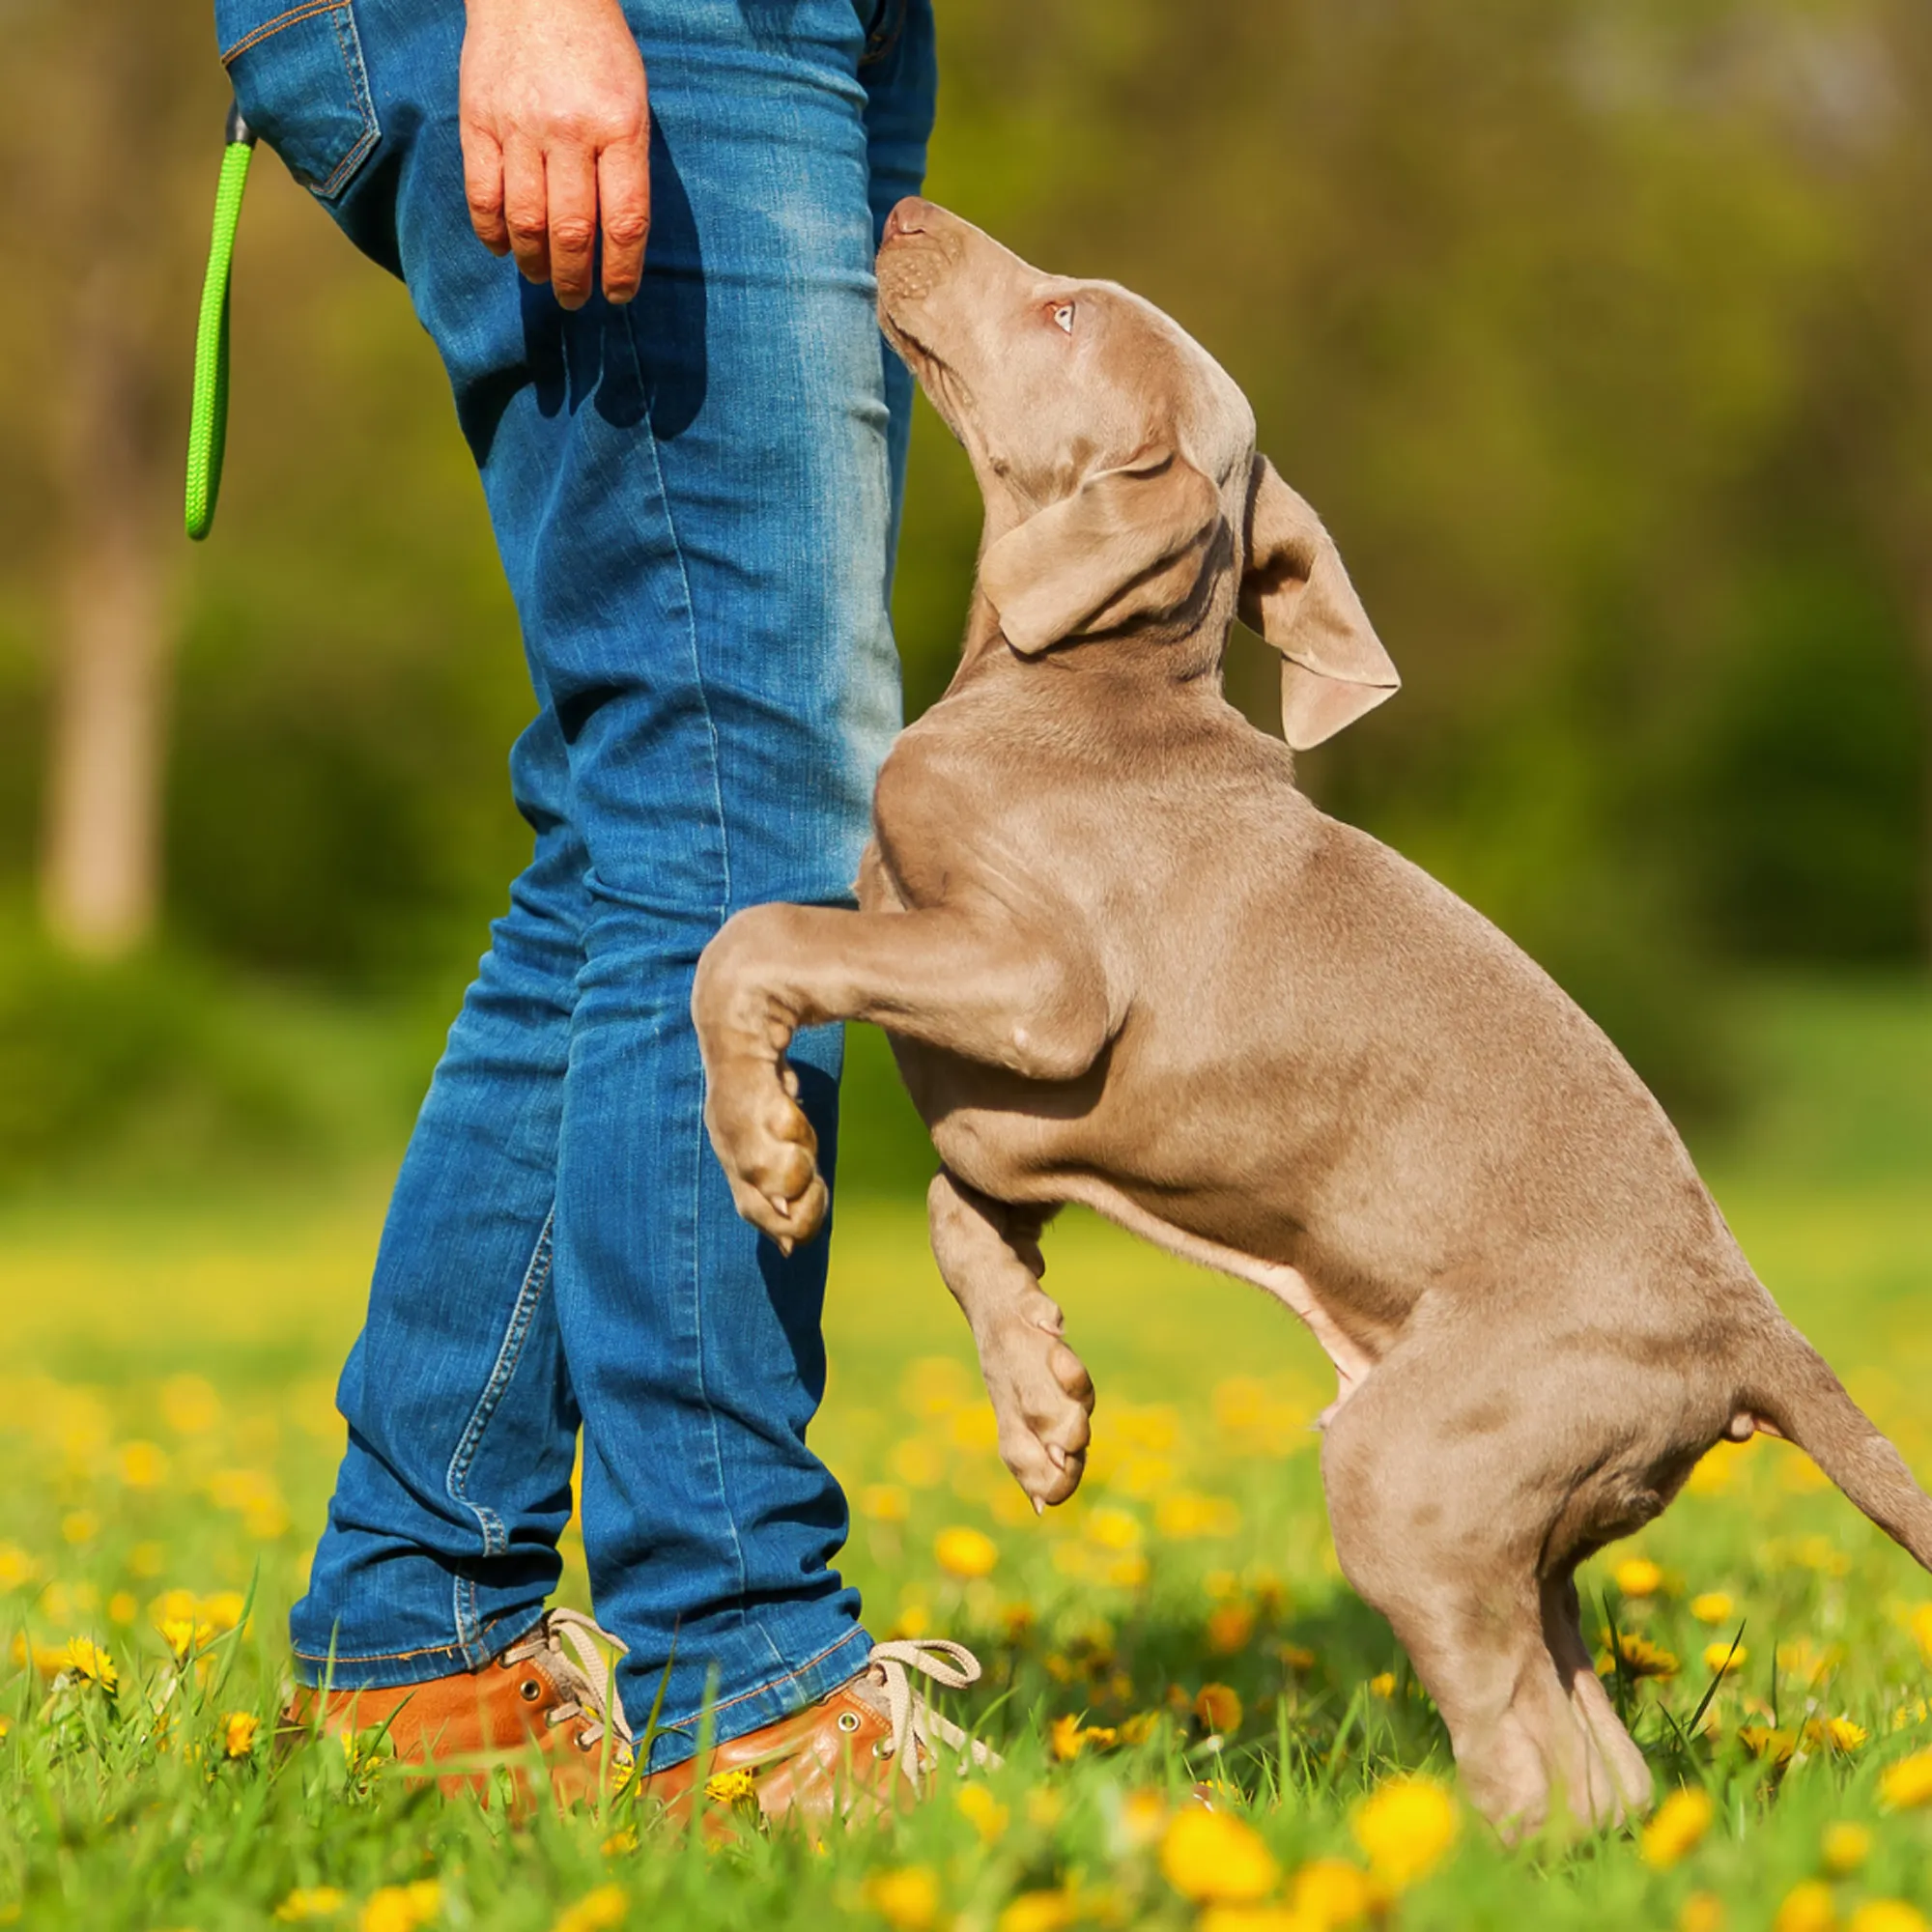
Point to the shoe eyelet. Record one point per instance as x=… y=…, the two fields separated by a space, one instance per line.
x=848 y=1720
x=583 y=1741
x=882 y=1749
x=530 y=1690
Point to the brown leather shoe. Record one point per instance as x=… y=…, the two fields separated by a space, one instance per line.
x=871 y=1747
x=551 y=1689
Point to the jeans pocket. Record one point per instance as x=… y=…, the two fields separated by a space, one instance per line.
x=300 y=82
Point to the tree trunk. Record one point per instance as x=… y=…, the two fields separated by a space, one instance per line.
x=99 y=887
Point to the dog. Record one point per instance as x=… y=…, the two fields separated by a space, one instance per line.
x=1123 y=961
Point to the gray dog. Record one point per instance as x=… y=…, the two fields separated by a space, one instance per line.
x=1123 y=963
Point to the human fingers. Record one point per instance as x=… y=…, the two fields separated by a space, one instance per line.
x=624 y=201
x=526 y=207
x=483 y=186
x=570 y=179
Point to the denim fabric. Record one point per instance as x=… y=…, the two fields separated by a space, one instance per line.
x=695 y=499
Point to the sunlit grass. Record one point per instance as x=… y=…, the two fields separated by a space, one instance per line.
x=167 y=1430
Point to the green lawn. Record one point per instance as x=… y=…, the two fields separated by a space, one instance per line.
x=167 y=1430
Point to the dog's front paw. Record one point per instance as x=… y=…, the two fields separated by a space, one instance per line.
x=1043 y=1399
x=767 y=1149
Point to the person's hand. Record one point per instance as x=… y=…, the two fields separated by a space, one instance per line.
x=556 y=132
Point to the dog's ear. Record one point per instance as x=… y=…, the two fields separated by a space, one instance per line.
x=1297 y=594
x=1129 y=543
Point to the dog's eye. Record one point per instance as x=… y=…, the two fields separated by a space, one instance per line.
x=1063 y=316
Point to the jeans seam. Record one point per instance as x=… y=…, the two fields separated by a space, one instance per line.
x=787 y=1675
x=462 y=1650
x=523 y=1312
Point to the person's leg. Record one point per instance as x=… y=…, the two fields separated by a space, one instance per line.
x=441 y=1546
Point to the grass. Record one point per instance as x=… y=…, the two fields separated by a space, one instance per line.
x=167 y=1428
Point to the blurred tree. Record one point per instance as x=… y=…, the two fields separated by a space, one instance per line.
x=100 y=106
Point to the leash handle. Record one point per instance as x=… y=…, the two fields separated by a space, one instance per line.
x=208 y=414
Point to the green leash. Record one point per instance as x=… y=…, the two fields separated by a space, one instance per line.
x=208 y=418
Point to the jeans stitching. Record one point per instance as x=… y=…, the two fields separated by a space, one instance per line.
x=276 y=26
x=791 y=1676
x=462 y=1650
x=523 y=1314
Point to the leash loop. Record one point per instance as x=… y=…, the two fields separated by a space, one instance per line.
x=208 y=414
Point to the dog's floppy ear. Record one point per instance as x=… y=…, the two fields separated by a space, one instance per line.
x=1297 y=594
x=1128 y=543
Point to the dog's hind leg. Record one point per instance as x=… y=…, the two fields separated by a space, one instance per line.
x=1440 y=1511
x=989 y=1255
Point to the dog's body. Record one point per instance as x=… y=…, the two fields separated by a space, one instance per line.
x=1126 y=963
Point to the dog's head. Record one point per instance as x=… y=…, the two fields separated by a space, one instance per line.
x=1118 y=461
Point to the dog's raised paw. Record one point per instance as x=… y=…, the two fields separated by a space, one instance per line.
x=1043 y=1399
x=768 y=1151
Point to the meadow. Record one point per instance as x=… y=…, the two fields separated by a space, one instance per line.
x=168 y=1437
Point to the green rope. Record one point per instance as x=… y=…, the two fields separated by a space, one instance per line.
x=207 y=418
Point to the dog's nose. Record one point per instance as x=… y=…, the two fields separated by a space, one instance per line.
x=908 y=218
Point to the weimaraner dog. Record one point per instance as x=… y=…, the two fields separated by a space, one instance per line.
x=1124 y=962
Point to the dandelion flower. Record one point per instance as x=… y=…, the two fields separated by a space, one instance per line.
x=1382 y=1683
x=87 y=1660
x=238 y=1733
x=1143 y=1818
x=1807 y=1908
x=964 y=1552
x=1918 y=1623
x=620 y=1843
x=985 y=1812
x=907 y=1899
x=1405 y=1826
x=1839 y=1734
x=1213 y=1858
x=1703 y=1911
x=143 y=1466
x=81 y=1527
x=1721 y=1657
x=190 y=1404
x=1712 y=1606
x=731 y=1787
x=596 y=1911
x=1638 y=1576
x=403 y=1908
x=1331 y=1891
x=223 y=1609
x=1885 y=1915
x=885 y=1502
x=1044 y=1808
x=1255 y=1918
x=1037 y=1912
x=1218 y=1707
x=1907 y=1784
x=1230 y=1626
x=17 y=1566
x=1678 y=1828
x=309 y=1901
x=1761 y=1741
x=1640 y=1657
x=1844 y=1847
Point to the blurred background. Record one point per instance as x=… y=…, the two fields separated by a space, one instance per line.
x=1599 y=332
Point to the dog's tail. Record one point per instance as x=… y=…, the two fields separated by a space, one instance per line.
x=1788 y=1384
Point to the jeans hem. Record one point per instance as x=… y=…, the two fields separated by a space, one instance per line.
x=389 y=1670
x=767 y=1703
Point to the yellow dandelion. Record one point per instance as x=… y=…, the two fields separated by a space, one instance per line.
x=885 y=1502
x=1918 y=1623
x=1138 y=1727
x=1807 y=1908
x=1721 y=1657
x=907 y=1899
x=190 y=1404
x=1230 y=1626
x=1702 y=1912
x=1382 y=1683
x=731 y=1787
x=1184 y=1515
x=1678 y=1828
x=1295 y=1657
x=1044 y=1808
x=1218 y=1707
x=1257 y=1919
x=985 y=1812
x=1406 y=1826
x=1109 y=1528
x=965 y=1553
x=1844 y=1847
x=620 y=1843
x=309 y=1901
x=402 y=1908
x=223 y=1609
x=1640 y=1657
x=1331 y=1891
x=86 y=1659
x=1214 y=1859
x=596 y=1911
x=1712 y=1606
x=1638 y=1576
x=1839 y=1734
x=1885 y=1915
x=143 y=1466
x=147 y=1559
x=1761 y=1741
x=1129 y=1572
x=1037 y=1912
x=80 y=1527
x=17 y=1566
x=238 y=1733
x=1907 y=1784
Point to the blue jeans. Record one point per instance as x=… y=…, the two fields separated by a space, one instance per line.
x=696 y=500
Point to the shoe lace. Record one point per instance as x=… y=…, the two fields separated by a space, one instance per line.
x=570 y=1645
x=886 y=1684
